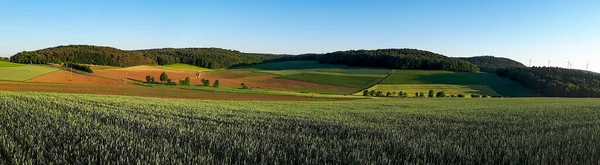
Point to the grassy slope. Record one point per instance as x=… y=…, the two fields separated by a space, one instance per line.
x=500 y=85
x=382 y=131
x=312 y=71
x=9 y=64
x=23 y=73
x=183 y=67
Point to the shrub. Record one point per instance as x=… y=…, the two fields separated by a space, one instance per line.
x=475 y=96
x=79 y=67
x=400 y=94
x=461 y=95
x=497 y=97
x=244 y=86
x=205 y=82
x=379 y=94
x=164 y=76
x=372 y=93
x=169 y=82
x=440 y=94
x=185 y=81
x=365 y=92
x=416 y=94
x=149 y=79
x=421 y=94
x=216 y=84
x=393 y=93
x=485 y=96
x=430 y=93
x=388 y=94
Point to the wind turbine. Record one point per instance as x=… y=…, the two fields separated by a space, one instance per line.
x=530 y=62
x=548 y=63
x=587 y=66
x=569 y=64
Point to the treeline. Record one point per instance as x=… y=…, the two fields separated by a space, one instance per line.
x=214 y=58
x=390 y=58
x=556 y=82
x=490 y=64
x=6 y=59
x=79 y=67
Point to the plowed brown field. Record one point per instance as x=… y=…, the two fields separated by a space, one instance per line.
x=161 y=92
x=65 y=77
x=227 y=79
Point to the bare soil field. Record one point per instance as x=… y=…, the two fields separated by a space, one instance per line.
x=65 y=77
x=227 y=79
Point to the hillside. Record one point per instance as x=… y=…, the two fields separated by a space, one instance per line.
x=490 y=64
x=213 y=58
x=391 y=58
x=556 y=82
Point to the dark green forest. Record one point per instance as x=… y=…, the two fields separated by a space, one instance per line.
x=490 y=64
x=214 y=58
x=556 y=82
x=390 y=58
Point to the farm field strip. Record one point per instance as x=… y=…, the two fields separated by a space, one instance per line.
x=23 y=73
x=130 y=130
x=4 y=64
x=67 y=77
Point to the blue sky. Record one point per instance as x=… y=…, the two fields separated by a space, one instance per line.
x=519 y=29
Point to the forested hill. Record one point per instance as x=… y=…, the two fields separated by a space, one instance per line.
x=86 y=54
x=391 y=58
x=556 y=82
x=490 y=63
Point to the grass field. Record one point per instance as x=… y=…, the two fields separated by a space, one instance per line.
x=182 y=67
x=41 y=128
x=500 y=85
x=314 y=66
x=102 y=67
x=23 y=73
x=336 y=80
x=411 y=89
x=9 y=64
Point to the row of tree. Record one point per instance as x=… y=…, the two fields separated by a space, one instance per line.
x=5 y=59
x=214 y=58
x=556 y=82
x=84 y=68
x=430 y=94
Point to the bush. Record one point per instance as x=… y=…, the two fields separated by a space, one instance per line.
x=216 y=84
x=164 y=76
x=388 y=94
x=185 y=81
x=79 y=67
x=497 y=97
x=149 y=79
x=205 y=82
x=372 y=93
x=366 y=93
x=440 y=94
x=430 y=93
x=379 y=94
x=421 y=94
x=475 y=96
x=461 y=96
x=244 y=86
x=169 y=82
x=485 y=96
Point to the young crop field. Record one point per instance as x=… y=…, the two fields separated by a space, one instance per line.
x=41 y=128
x=314 y=66
x=24 y=72
x=500 y=85
x=9 y=64
x=411 y=89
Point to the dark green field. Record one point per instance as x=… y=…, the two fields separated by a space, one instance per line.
x=500 y=85
x=344 y=81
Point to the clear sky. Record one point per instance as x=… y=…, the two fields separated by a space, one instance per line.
x=556 y=30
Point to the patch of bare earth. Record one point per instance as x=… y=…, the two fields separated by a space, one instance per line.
x=74 y=78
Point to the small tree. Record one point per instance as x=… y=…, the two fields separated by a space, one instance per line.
x=379 y=94
x=405 y=94
x=244 y=86
x=169 y=82
x=366 y=93
x=372 y=93
x=421 y=94
x=400 y=94
x=164 y=76
x=185 y=81
x=440 y=94
x=216 y=84
x=149 y=79
x=393 y=93
x=205 y=82
x=461 y=96
x=430 y=93
x=475 y=96
x=388 y=94
x=416 y=94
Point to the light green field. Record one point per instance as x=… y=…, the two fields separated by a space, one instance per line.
x=9 y=64
x=182 y=67
x=102 y=67
x=500 y=85
x=411 y=89
x=24 y=73
x=96 y=129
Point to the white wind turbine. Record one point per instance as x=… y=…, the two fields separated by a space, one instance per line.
x=569 y=64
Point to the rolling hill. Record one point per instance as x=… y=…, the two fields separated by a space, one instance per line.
x=490 y=64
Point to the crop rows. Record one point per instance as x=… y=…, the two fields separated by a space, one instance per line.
x=39 y=128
